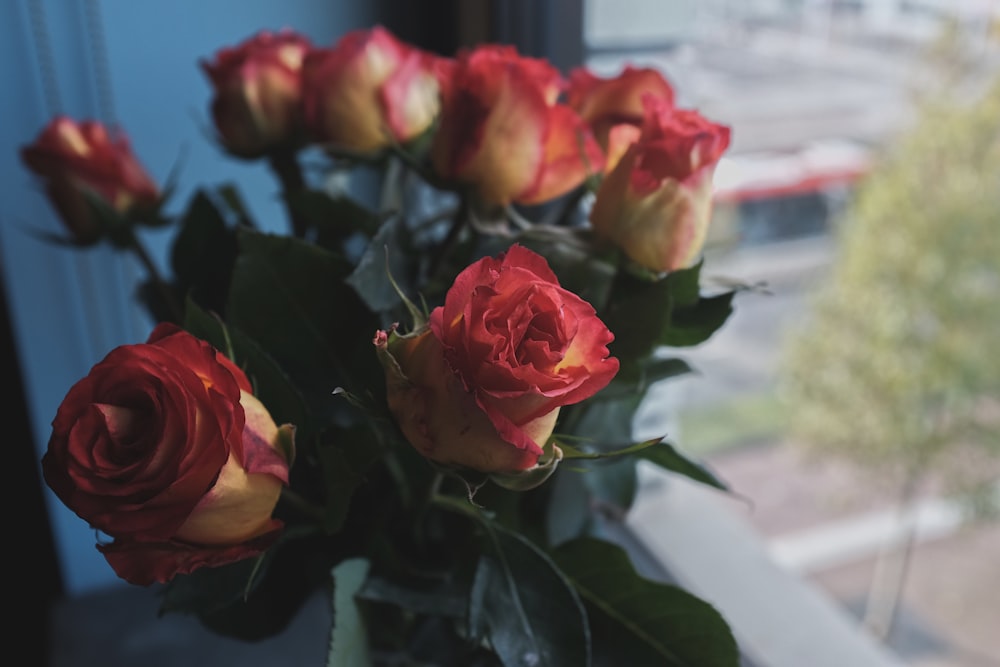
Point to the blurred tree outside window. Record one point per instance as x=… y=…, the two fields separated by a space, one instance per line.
x=896 y=368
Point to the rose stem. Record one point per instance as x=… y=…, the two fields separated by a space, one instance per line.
x=457 y=224
x=168 y=296
x=286 y=167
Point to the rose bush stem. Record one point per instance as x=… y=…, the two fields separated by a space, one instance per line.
x=286 y=167
x=169 y=298
x=454 y=232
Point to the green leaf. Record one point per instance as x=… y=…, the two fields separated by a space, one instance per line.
x=430 y=597
x=639 y=622
x=685 y=285
x=209 y=589
x=601 y=422
x=570 y=452
x=230 y=194
x=638 y=312
x=525 y=606
x=383 y=258
x=694 y=324
x=290 y=297
x=203 y=254
x=342 y=475
x=671 y=309
x=668 y=457
x=253 y=598
x=636 y=378
x=348 y=636
x=333 y=218
x=272 y=386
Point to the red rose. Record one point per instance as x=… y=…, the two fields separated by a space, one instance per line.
x=606 y=102
x=656 y=202
x=481 y=387
x=77 y=158
x=257 y=87
x=163 y=447
x=503 y=132
x=369 y=91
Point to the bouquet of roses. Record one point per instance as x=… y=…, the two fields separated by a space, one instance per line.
x=422 y=403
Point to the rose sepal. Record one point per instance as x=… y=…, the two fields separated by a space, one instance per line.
x=285 y=442
x=533 y=477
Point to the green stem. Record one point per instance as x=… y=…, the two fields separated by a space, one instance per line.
x=458 y=223
x=286 y=167
x=169 y=298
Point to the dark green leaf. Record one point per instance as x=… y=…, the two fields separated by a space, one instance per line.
x=602 y=423
x=525 y=606
x=639 y=622
x=571 y=452
x=234 y=201
x=333 y=218
x=611 y=484
x=203 y=253
x=210 y=589
x=341 y=479
x=694 y=324
x=569 y=513
x=429 y=597
x=383 y=257
x=636 y=378
x=292 y=570
x=271 y=384
x=290 y=297
x=685 y=285
x=638 y=311
x=666 y=456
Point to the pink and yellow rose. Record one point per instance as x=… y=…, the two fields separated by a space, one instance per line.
x=257 y=93
x=604 y=102
x=656 y=200
x=504 y=133
x=77 y=159
x=481 y=385
x=369 y=91
x=164 y=448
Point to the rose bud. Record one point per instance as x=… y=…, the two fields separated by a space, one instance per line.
x=257 y=93
x=369 y=91
x=605 y=102
x=503 y=133
x=656 y=202
x=163 y=447
x=481 y=385
x=77 y=160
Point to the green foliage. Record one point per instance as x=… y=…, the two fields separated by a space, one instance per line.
x=639 y=622
x=432 y=566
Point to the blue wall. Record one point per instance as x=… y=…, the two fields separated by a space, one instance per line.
x=70 y=308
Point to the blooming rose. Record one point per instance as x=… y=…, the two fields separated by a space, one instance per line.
x=256 y=107
x=369 y=91
x=656 y=202
x=605 y=102
x=77 y=158
x=163 y=447
x=481 y=386
x=503 y=132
